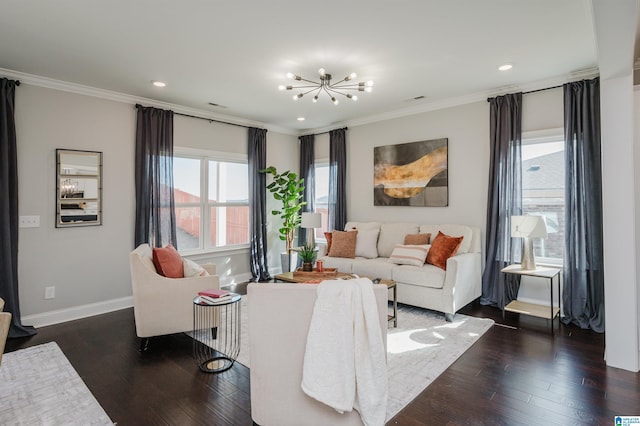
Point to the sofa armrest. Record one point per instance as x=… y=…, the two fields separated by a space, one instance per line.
x=463 y=280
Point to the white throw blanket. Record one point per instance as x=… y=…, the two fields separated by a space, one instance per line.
x=345 y=364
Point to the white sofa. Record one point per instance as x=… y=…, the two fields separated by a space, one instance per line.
x=279 y=319
x=426 y=286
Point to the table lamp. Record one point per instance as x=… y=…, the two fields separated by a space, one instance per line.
x=528 y=228
x=311 y=220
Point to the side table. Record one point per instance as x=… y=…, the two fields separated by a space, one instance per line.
x=534 y=309
x=216 y=334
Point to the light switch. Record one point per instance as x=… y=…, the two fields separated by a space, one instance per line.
x=29 y=221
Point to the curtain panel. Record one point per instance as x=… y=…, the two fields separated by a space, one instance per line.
x=583 y=295
x=155 y=206
x=308 y=173
x=9 y=210
x=504 y=199
x=257 y=160
x=337 y=180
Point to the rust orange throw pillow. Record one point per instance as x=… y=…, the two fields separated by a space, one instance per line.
x=327 y=236
x=442 y=248
x=343 y=244
x=168 y=262
x=416 y=239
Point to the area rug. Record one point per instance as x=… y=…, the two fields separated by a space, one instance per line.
x=39 y=386
x=418 y=351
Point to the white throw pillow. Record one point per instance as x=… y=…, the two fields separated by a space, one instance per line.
x=409 y=254
x=192 y=269
x=367 y=243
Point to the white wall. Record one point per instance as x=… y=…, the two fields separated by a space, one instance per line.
x=620 y=219
x=466 y=127
x=89 y=266
x=85 y=264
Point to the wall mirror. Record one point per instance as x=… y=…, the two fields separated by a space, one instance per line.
x=78 y=188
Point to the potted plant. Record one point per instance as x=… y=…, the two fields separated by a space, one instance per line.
x=288 y=189
x=307 y=255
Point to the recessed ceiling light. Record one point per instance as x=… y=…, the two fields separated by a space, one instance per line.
x=505 y=67
x=301 y=118
x=158 y=83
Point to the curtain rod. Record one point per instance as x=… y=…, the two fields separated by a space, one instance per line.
x=210 y=120
x=322 y=133
x=534 y=91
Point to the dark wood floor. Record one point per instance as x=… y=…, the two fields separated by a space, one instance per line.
x=516 y=374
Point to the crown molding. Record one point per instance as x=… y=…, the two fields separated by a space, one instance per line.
x=80 y=89
x=427 y=106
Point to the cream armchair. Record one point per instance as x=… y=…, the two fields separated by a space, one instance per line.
x=279 y=319
x=163 y=305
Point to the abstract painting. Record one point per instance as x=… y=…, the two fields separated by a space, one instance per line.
x=411 y=174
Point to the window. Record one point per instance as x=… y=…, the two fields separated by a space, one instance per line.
x=322 y=197
x=543 y=193
x=212 y=201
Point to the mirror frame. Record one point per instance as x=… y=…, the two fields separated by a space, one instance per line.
x=73 y=206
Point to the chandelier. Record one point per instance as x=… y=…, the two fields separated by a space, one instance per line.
x=325 y=85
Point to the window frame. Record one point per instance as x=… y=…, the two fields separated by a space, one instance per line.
x=320 y=162
x=205 y=205
x=535 y=138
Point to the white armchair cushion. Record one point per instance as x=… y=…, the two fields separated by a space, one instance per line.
x=192 y=269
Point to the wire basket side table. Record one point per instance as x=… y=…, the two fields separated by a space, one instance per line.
x=216 y=334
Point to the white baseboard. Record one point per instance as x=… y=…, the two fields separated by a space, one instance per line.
x=77 y=312
x=84 y=311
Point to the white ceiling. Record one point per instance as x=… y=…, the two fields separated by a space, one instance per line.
x=236 y=53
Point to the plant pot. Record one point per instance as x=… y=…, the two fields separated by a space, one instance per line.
x=307 y=266
x=289 y=261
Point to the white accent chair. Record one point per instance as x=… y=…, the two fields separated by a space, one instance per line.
x=279 y=319
x=163 y=305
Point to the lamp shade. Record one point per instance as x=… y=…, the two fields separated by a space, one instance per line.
x=311 y=220
x=528 y=227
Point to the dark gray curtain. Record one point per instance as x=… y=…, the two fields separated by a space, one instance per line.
x=155 y=206
x=583 y=297
x=308 y=173
x=257 y=159
x=504 y=199
x=9 y=210
x=337 y=179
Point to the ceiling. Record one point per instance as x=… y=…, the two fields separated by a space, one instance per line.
x=236 y=53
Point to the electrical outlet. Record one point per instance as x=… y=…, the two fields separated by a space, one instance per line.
x=50 y=292
x=29 y=221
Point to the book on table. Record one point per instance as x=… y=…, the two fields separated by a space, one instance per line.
x=214 y=293
x=214 y=300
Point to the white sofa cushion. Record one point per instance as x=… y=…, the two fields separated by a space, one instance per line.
x=425 y=276
x=392 y=234
x=409 y=254
x=342 y=263
x=367 y=243
x=372 y=268
x=452 y=231
x=361 y=225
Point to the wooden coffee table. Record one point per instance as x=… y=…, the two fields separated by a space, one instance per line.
x=288 y=277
